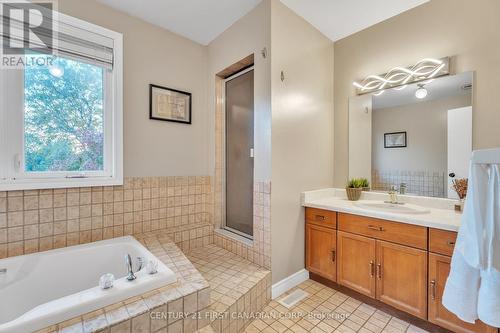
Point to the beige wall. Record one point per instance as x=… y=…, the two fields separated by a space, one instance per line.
x=302 y=124
x=248 y=35
x=426 y=124
x=467 y=30
x=154 y=55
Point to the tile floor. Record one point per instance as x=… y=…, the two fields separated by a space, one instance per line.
x=326 y=310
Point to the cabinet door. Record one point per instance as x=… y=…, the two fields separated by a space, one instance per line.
x=402 y=278
x=356 y=263
x=439 y=268
x=321 y=251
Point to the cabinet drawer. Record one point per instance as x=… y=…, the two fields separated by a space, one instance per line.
x=321 y=217
x=405 y=234
x=442 y=241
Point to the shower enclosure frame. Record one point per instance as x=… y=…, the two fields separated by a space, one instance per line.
x=224 y=155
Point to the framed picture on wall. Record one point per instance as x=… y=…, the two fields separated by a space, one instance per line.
x=169 y=104
x=395 y=140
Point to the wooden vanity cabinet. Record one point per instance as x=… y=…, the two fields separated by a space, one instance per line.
x=442 y=241
x=439 y=269
x=402 y=265
x=402 y=278
x=321 y=251
x=321 y=217
x=392 y=273
x=356 y=263
x=321 y=243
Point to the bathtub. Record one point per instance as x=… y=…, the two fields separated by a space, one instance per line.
x=45 y=288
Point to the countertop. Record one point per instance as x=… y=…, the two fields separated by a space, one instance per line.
x=441 y=214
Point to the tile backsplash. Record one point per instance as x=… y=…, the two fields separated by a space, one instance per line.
x=425 y=183
x=39 y=220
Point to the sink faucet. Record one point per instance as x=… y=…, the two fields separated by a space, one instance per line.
x=393 y=196
x=130 y=276
x=402 y=188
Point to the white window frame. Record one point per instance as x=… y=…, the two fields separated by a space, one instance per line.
x=12 y=174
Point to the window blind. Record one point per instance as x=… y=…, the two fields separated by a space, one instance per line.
x=57 y=37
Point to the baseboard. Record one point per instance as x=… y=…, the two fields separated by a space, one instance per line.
x=289 y=282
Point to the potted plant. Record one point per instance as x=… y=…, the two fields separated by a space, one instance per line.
x=460 y=186
x=365 y=184
x=355 y=187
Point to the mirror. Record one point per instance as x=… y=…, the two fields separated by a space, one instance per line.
x=412 y=137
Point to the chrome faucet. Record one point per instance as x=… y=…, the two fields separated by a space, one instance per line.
x=393 y=196
x=402 y=188
x=130 y=276
x=3 y=270
x=130 y=267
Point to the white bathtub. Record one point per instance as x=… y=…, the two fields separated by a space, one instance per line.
x=42 y=289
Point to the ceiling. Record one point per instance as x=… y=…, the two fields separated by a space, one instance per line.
x=337 y=19
x=199 y=20
x=441 y=87
x=203 y=20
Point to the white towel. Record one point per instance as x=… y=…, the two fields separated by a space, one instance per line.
x=461 y=291
x=488 y=307
x=472 y=290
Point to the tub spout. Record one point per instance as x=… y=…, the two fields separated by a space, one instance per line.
x=3 y=270
x=130 y=276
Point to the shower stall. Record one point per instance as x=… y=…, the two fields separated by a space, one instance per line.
x=239 y=153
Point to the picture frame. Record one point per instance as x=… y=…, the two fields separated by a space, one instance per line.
x=395 y=140
x=169 y=104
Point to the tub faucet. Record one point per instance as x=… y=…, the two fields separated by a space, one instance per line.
x=130 y=276
x=3 y=270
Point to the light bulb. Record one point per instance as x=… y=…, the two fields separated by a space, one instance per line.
x=421 y=93
x=56 y=71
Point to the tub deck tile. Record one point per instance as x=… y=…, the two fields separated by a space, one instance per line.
x=148 y=312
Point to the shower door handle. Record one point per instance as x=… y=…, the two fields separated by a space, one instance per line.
x=251 y=153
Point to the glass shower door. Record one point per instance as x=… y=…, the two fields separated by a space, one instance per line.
x=239 y=93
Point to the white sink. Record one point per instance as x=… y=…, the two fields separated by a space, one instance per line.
x=380 y=206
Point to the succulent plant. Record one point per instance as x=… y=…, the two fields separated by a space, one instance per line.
x=358 y=183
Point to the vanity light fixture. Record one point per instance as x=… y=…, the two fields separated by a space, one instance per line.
x=425 y=69
x=421 y=92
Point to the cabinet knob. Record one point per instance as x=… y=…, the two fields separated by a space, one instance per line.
x=372 y=227
x=379 y=271
x=450 y=243
x=372 y=268
x=433 y=290
x=334 y=255
x=320 y=217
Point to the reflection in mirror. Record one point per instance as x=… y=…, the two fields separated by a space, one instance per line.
x=412 y=137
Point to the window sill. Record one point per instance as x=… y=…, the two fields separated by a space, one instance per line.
x=234 y=236
x=37 y=184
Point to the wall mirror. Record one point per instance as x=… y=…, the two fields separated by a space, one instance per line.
x=412 y=137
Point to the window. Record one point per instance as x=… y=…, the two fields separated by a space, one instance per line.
x=61 y=119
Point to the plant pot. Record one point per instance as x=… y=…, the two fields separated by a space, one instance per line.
x=459 y=206
x=353 y=194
